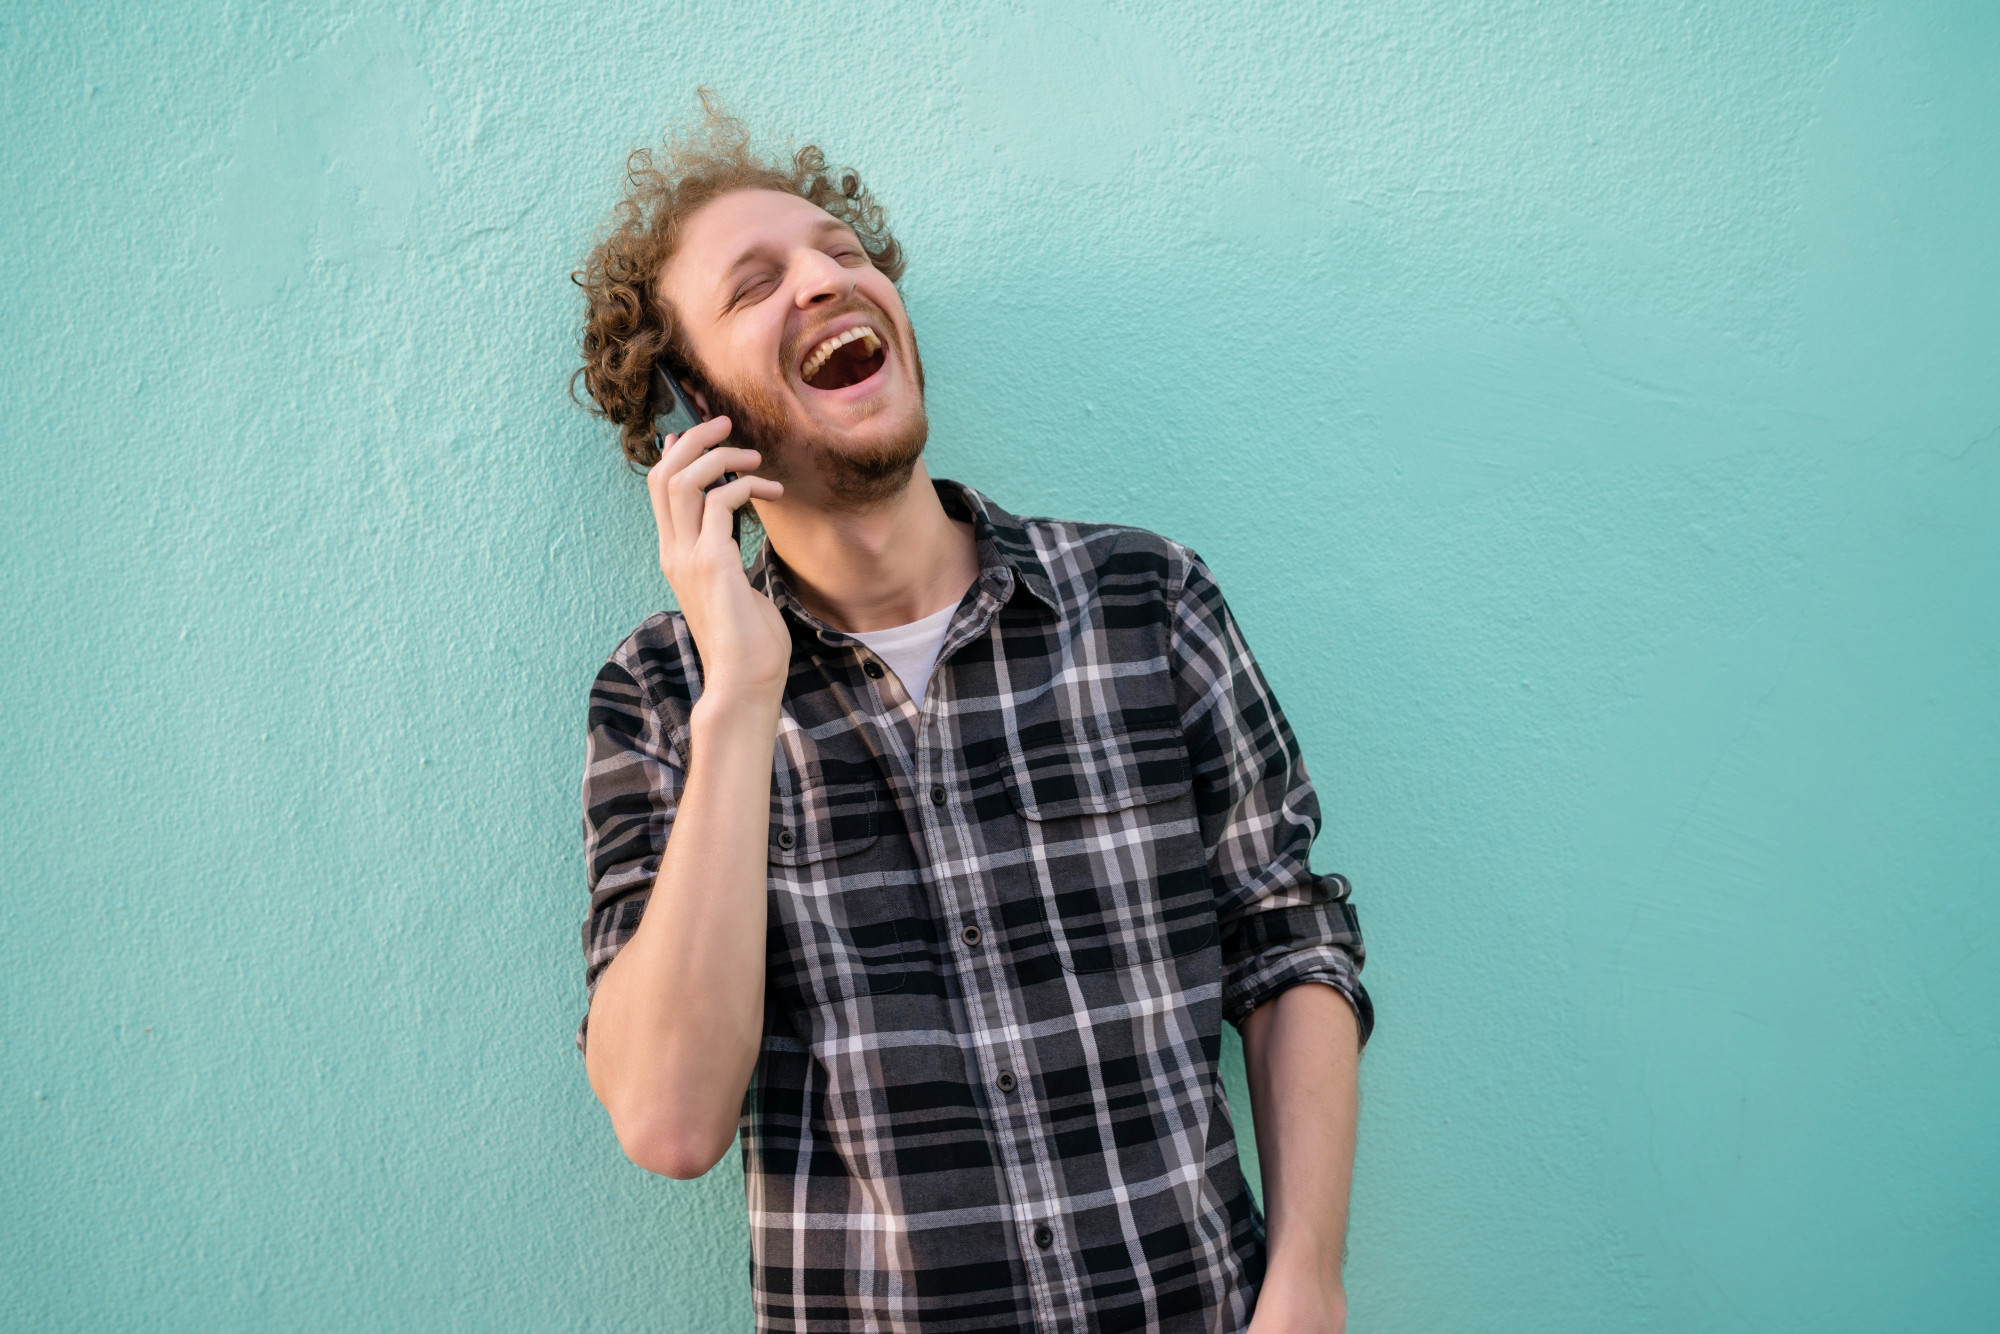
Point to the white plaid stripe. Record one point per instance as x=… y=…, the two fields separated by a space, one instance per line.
x=1125 y=822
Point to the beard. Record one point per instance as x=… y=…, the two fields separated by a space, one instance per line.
x=855 y=478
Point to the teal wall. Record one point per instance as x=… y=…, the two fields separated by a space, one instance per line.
x=1592 y=412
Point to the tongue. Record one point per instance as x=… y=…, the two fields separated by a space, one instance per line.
x=851 y=363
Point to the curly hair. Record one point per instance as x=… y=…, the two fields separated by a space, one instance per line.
x=627 y=327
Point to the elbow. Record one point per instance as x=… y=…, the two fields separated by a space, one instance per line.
x=680 y=1152
x=681 y=1161
x=671 y=1124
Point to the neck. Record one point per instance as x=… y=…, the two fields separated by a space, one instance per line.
x=889 y=564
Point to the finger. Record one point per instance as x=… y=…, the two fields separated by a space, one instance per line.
x=677 y=451
x=708 y=469
x=692 y=443
x=657 y=478
x=724 y=500
x=697 y=440
x=685 y=488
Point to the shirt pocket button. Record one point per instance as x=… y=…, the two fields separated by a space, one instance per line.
x=786 y=839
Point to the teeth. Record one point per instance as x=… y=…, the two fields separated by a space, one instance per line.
x=834 y=344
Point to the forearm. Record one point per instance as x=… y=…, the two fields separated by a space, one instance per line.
x=677 y=1018
x=1301 y=1051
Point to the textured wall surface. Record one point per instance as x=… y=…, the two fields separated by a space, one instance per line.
x=1592 y=411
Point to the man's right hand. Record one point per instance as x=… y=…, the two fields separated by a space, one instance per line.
x=677 y=1019
x=745 y=647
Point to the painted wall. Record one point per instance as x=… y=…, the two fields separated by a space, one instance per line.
x=1591 y=410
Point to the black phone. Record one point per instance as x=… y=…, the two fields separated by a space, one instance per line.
x=681 y=414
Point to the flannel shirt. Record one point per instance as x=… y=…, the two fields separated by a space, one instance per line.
x=1005 y=929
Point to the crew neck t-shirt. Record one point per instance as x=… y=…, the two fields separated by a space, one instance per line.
x=911 y=650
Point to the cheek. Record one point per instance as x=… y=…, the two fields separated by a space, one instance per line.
x=884 y=294
x=753 y=355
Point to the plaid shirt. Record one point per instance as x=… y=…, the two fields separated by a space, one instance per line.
x=1005 y=929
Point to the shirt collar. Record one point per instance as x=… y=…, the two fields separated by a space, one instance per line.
x=1007 y=558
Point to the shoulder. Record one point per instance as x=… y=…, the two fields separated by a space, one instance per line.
x=1072 y=563
x=1093 y=561
x=656 y=667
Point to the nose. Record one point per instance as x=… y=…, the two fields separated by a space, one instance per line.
x=822 y=279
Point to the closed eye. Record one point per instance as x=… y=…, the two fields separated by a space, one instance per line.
x=756 y=289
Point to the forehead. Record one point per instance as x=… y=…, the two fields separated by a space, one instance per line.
x=740 y=226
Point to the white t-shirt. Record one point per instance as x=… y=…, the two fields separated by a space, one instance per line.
x=911 y=650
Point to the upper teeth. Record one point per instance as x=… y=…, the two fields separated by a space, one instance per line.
x=834 y=344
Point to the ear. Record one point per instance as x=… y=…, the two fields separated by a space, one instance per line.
x=699 y=398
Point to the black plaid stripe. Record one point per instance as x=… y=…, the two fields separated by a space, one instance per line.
x=1005 y=932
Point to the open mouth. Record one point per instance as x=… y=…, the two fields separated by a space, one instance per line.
x=844 y=359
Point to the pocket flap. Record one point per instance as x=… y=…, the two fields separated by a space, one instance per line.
x=1091 y=770
x=822 y=820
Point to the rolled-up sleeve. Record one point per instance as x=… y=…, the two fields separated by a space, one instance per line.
x=632 y=779
x=1281 y=923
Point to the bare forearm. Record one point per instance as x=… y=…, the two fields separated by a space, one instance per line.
x=677 y=1017
x=1301 y=1051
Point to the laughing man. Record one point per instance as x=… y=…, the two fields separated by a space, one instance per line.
x=928 y=855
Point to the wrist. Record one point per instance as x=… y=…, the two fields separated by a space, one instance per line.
x=1300 y=1303
x=723 y=714
x=1302 y=1271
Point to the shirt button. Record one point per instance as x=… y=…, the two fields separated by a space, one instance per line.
x=1006 y=1081
x=1043 y=1237
x=970 y=935
x=873 y=668
x=786 y=838
x=939 y=795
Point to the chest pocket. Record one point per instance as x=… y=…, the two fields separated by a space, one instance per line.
x=1111 y=837
x=835 y=931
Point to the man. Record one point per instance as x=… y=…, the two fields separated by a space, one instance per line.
x=929 y=855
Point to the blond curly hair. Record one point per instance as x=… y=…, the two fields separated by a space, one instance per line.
x=627 y=328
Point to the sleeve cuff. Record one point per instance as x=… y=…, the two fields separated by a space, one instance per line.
x=1280 y=949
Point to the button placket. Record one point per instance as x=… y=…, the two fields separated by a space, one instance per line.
x=1026 y=1155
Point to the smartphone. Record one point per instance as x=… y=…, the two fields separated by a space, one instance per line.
x=679 y=416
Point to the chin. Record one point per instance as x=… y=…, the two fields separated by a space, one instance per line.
x=877 y=424
x=873 y=463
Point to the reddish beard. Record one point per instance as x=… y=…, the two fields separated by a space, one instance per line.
x=855 y=478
